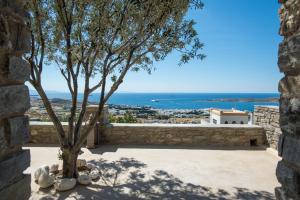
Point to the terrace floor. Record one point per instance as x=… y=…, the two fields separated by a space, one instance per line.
x=164 y=172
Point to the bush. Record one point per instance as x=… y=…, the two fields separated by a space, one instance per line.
x=127 y=118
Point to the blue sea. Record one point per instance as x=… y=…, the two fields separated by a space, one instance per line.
x=179 y=100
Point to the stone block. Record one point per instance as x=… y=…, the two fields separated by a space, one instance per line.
x=289 y=178
x=14 y=100
x=90 y=144
x=19 y=190
x=290 y=110
x=187 y=140
x=19 y=70
x=289 y=55
x=18 y=31
x=295 y=105
x=92 y=109
x=18 y=40
x=12 y=168
x=280 y=194
x=290 y=86
x=280 y=145
x=287 y=130
x=14 y=5
x=292 y=128
x=15 y=71
x=289 y=17
x=291 y=150
x=19 y=130
x=3 y=142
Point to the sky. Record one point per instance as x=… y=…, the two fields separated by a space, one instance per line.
x=241 y=41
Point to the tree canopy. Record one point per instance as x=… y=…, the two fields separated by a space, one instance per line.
x=103 y=40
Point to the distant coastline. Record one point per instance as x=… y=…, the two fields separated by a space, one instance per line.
x=182 y=101
x=272 y=99
x=256 y=100
x=168 y=108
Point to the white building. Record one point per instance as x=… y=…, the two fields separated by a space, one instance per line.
x=228 y=116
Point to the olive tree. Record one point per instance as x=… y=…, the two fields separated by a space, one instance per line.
x=103 y=40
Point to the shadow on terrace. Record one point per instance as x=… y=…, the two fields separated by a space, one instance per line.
x=125 y=179
x=114 y=148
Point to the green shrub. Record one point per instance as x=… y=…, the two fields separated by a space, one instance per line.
x=127 y=118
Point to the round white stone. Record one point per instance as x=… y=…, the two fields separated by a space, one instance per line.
x=90 y=166
x=65 y=184
x=45 y=181
x=41 y=170
x=54 y=168
x=94 y=174
x=84 y=179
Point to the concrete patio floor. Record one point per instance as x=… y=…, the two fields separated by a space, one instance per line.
x=164 y=172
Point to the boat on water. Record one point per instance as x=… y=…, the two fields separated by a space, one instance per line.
x=155 y=100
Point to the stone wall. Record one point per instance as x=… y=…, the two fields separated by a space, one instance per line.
x=268 y=118
x=177 y=134
x=288 y=169
x=169 y=134
x=44 y=132
x=14 y=101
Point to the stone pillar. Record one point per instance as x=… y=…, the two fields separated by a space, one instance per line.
x=288 y=169
x=95 y=135
x=14 y=100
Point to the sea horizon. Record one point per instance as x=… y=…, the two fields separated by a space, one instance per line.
x=187 y=101
x=161 y=92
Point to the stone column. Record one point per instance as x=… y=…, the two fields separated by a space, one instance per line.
x=14 y=101
x=288 y=169
x=95 y=135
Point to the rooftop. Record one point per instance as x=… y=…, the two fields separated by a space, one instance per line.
x=229 y=112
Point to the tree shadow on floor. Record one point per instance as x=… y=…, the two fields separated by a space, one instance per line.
x=101 y=149
x=128 y=178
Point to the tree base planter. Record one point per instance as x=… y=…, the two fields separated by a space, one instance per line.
x=46 y=177
x=65 y=184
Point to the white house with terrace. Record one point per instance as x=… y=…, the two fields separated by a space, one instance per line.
x=233 y=116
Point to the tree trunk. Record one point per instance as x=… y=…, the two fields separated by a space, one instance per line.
x=69 y=164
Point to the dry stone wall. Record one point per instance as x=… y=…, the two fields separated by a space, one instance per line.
x=14 y=101
x=203 y=135
x=288 y=169
x=268 y=118
x=167 y=134
x=44 y=132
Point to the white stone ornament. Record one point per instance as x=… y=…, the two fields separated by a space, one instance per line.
x=45 y=180
x=44 y=169
x=90 y=166
x=94 y=174
x=54 y=168
x=65 y=184
x=84 y=179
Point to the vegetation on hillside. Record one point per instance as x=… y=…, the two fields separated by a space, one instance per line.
x=126 y=118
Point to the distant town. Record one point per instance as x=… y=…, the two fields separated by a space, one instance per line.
x=122 y=113
x=147 y=114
